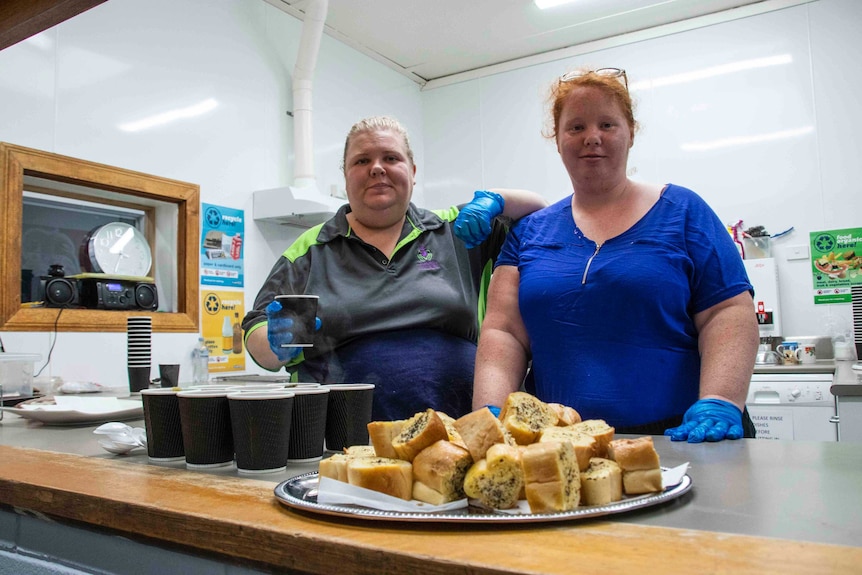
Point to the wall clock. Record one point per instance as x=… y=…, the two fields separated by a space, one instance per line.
x=116 y=248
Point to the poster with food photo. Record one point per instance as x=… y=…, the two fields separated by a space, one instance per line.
x=836 y=264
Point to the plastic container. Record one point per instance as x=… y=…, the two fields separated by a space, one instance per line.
x=16 y=373
x=757 y=247
x=201 y=362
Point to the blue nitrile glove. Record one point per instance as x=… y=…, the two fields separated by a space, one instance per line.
x=709 y=419
x=279 y=332
x=473 y=224
x=494 y=409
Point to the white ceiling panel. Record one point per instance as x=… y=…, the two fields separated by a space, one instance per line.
x=432 y=39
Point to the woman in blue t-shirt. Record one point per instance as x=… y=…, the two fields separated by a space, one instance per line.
x=629 y=299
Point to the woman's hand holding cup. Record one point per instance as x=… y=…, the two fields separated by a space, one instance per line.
x=288 y=329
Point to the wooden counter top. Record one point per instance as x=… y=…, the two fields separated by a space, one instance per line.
x=241 y=519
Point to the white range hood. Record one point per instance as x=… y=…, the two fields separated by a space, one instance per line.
x=293 y=206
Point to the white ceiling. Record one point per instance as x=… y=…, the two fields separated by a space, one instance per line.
x=434 y=39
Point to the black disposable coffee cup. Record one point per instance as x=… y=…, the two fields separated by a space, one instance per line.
x=162 y=421
x=308 y=424
x=261 y=429
x=302 y=309
x=169 y=374
x=139 y=377
x=207 y=433
x=348 y=414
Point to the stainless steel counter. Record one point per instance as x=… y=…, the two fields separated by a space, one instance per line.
x=819 y=366
x=795 y=490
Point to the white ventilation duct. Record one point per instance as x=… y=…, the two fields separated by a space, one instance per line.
x=303 y=73
x=301 y=204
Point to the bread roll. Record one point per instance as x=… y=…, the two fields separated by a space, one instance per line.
x=642 y=481
x=524 y=416
x=420 y=431
x=496 y=480
x=390 y=476
x=381 y=434
x=565 y=415
x=585 y=445
x=601 y=483
x=360 y=451
x=441 y=468
x=451 y=431
x=334 y=467
x=422 y=492
x=601 y=431
x=480 y=430
x=634 y=454
x=551 y=476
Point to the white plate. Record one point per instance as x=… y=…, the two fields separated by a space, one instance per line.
x=73 y=410
x=300 y=492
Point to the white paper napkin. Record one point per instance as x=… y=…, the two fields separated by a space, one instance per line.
x=673 y=476
x=334 y=492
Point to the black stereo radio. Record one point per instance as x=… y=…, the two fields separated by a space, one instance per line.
x=96 y=291
x=117 y=293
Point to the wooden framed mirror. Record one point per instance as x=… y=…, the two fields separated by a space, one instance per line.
x=56 y=200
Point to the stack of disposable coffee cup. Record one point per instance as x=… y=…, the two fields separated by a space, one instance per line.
x=139 y=331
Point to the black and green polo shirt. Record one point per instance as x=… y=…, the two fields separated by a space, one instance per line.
x=373 y=306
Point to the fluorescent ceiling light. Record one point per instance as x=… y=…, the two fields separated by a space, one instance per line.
x=543 y=4
x=167 y=117
x=713 y=71
x=744 y=140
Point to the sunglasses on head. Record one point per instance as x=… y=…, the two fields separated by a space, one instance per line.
x=606 y=72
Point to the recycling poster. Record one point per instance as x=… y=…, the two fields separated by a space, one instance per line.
x=836 y=264
x=221 y=318
x=222 y=231
x=221 y=264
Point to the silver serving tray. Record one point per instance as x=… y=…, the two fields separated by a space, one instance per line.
x=300 y=492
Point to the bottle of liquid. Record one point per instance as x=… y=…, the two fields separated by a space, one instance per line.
x=237 y=334
x=226 y=336
x=201 y=362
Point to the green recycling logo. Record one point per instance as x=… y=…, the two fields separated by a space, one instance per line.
x=824 y=243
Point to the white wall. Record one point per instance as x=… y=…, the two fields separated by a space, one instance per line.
x=68 y=89
x=486 y=132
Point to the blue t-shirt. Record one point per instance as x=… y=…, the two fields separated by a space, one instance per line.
x=611 y=330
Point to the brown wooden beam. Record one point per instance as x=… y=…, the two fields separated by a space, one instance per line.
x=20 y=19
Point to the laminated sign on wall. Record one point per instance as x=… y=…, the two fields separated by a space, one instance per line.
x=222 y=330
x=836 y=264
x=221 y=259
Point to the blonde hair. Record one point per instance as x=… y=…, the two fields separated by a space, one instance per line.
x=376 y=124
x=611 y=86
